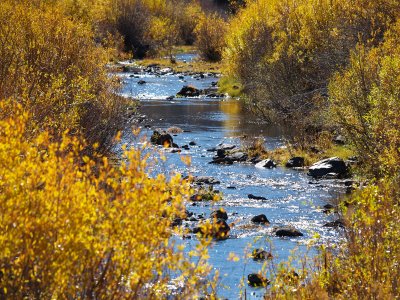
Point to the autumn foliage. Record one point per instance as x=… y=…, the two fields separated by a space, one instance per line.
x=72 y=227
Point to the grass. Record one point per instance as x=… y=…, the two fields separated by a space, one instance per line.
x=230 y=85
x=282 y=155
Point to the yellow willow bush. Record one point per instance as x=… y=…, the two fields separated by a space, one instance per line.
x=77 y=229
x=210 y=36
x=365 y=100
x=365 y=265
x=51 y=65
x=284 y=52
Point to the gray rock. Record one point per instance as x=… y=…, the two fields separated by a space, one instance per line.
x=266 y=163
x=329 y=165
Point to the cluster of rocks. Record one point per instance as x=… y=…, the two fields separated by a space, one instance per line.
x=191 y=91
x=227 y=154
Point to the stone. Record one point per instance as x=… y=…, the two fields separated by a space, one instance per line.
x=295 y=162
x=326 y=166
x=141 y=82
x=261 y=254
x=251 y=196
x=339 y=140
x=205 y=180
x=222 y=160
x=238 y=156
x=287 y=231
x=219 y=214
x=266 y=163
x=163 y=139
x=257 y=280
x=260 y=219
x=189 y=91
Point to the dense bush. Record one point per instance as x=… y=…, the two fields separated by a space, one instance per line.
x=52 y=66
x=366 y=104
x=74 y=228
x=148 y=26
x=284 y=52
x=210 y=36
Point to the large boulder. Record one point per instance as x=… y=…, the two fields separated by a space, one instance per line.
x=189 y=91
x=266 y=163
x=287 y=231
x=333 y=165
x=295 y=162
x=163 y=139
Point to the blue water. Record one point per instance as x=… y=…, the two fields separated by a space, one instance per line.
x=292 y=200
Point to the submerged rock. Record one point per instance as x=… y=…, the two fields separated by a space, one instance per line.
x=287 y=231
x=251 y=196
x=331 y=166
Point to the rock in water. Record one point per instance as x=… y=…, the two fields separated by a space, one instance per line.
x=333 y=165
x=287 y=231
x=257 y=280
x=219 y=214
x=260 y=219
x=261 y=254
x=251 y=196
x=188 y=91
x=266 y=163
x=163 y=139
x=295 y=162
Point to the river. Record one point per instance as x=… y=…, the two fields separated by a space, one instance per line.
x=293 y=198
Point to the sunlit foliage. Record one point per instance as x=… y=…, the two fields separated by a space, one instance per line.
x=284 y=52
x=210 y=34
x=366 y=103
x=51 y=65
x=74 y=228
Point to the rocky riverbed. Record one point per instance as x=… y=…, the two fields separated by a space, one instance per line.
x=280 y=207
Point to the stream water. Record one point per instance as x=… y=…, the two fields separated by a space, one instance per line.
x=293 y=198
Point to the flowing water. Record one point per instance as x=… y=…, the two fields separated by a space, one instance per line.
x=293 y=198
